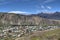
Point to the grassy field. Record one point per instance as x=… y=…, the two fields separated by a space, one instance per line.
x=47 y=35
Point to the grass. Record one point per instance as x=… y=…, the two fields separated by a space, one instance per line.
x=36 y=38
x=47 y=35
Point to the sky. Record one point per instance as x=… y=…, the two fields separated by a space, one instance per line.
x=29 y=6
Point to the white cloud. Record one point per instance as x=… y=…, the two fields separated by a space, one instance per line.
x=46 y=7
x=49 y=7
x=17 y=12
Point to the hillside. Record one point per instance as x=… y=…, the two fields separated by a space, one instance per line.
x=28 y=27
x=19 y=19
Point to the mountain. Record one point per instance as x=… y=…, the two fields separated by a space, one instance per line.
x=55 y=15
x=35 y=19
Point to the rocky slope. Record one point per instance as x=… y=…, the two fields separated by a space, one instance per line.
x=19 y=19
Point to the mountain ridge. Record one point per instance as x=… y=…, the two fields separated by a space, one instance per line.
x=19 y=19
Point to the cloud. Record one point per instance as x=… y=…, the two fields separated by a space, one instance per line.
x=48 y=1
x=49 y=7
x=17 y=12
x=46 y=7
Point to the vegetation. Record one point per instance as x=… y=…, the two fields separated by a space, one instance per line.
x=36 y=38
x=48 y=35
x=44 y=35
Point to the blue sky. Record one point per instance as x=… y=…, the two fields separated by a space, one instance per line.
x=29 y=6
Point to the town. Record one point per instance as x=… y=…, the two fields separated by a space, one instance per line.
x=21 y=30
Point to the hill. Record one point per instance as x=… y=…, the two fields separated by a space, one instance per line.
x=19 y=19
